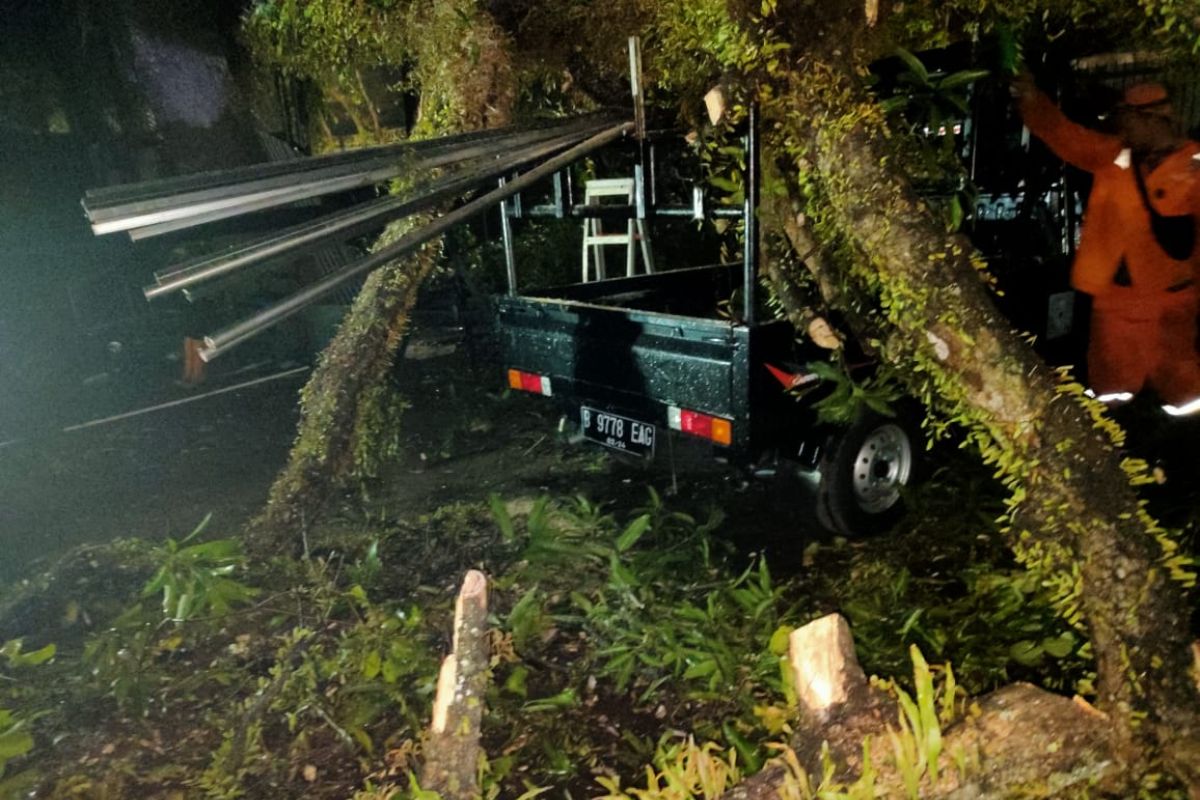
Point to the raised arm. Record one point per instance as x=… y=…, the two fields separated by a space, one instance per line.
x=1079 y=146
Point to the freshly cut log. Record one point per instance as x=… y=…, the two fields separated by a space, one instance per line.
x=451 y=750
x=1012 y=739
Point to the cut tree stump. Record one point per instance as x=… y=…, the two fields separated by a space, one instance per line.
x=1013 y=740
x=451 y=751
x=838 y=705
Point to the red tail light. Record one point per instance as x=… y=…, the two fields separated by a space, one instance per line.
x=714 y=429
x=529 y=382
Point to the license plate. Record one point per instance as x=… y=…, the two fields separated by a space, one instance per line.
x=618 y=432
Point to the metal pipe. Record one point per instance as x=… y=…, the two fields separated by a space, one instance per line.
x=166 y=214
x=561 y=200
x=621 y=211
x=183 y=401
x=749 y=214
x=506 y=235
x=635 y=86
x=147 y=226
x=344 y=224
x=189 y=217
x=220 y=342
x=107 y=202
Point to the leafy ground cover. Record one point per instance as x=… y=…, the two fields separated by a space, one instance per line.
x=630 y=629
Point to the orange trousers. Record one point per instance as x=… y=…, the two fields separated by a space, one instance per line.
x=1152 y=346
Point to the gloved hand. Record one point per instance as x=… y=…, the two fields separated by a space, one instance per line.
x=1022 y=85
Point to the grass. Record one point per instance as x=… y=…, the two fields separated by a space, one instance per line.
x=625 y=634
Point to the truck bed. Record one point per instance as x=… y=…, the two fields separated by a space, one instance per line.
x=639 y=346
x=699 y=292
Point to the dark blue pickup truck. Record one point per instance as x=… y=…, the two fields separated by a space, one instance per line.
x=632 y=359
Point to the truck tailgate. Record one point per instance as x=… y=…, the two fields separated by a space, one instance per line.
x=637 y=362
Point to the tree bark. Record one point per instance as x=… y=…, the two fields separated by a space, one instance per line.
x=1077 y=518
x=917 y=297
x=451 y=749
x=349 y=410
x=342 y=399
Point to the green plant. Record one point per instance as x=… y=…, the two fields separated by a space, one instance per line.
x=930 y=100
x=682 y=771
x=365 y=572
x=15 y=738
x=120 y=658
x=194 y=578
x=989 y=621
x=12 y=651
x=927 y=105
x=687 y=771
x=877 y=392
x=380 y=667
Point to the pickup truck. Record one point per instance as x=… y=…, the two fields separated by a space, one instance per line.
x=633 y=359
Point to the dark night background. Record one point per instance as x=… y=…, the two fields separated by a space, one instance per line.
x=91 y=95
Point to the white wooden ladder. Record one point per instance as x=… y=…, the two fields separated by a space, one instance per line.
x=595 y=239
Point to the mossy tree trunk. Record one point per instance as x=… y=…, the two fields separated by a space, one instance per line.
x=347 y=401
x=1075 y=515
x=350 y=412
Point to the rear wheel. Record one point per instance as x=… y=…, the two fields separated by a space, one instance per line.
x=863 y=478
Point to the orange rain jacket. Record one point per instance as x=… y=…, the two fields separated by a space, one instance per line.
x=1143 y=331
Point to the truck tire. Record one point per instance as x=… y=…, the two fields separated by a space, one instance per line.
x=863 y=477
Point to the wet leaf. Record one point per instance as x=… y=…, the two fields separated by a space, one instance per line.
x=372 y=665
x=633 y=532
x=1026 y=653
x=1059 y=647
x=780 y=640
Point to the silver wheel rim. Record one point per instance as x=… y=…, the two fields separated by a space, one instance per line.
x=882 y=466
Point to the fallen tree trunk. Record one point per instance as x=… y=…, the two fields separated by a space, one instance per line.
x=451 y=750
x=350 y=412
x=918 y=298
x=1077 y=519
x=348 y=405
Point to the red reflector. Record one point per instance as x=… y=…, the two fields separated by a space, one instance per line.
x=528 y=382
x=712 y=428
x=786 y=378
x=791 y=380
x=696 y=423
x=531 y=382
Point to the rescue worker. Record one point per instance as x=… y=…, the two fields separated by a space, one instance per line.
x=1137 y=255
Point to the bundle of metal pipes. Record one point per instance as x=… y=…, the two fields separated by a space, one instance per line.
x=234 y=335
x=156 y=207
x=469 y=160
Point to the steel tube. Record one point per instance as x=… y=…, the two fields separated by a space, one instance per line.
x=615 y=211
x=235 y=334
x=206 y=203
x=749 y=214
x=166 y=220
x=155 y=223
x=342 y=225
x=106 y=202
x=510 y=258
